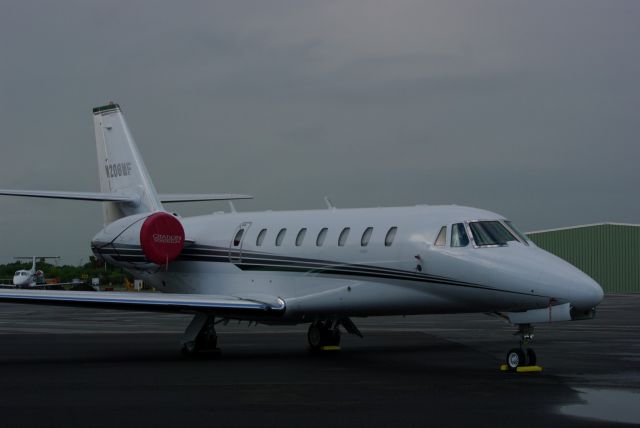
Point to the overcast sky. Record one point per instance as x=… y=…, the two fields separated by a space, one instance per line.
x=527 y=108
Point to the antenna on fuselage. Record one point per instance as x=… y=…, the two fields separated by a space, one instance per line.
x=330 y=205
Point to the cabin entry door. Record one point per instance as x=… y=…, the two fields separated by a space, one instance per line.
x=235 y=246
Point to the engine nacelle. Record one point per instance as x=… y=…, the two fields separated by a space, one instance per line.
x=141 y=239
x=161 y=237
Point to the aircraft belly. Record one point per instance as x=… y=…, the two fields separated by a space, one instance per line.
x=311 y=294
x=362 y=298
x=403 y=298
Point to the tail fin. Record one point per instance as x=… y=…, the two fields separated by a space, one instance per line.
x=125 y=186
x=120 y=166
x=34 y=259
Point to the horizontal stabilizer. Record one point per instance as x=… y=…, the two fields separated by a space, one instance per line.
x=119 y=197
x=197 y=197
x=151 y=302
x=82 y=196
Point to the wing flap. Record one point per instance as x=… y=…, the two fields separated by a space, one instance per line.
x=149 y=302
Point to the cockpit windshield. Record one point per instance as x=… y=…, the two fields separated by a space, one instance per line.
x=487 y=233
x=517 y=231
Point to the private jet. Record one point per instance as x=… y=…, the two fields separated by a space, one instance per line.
x=31 y=278
x=323 y=267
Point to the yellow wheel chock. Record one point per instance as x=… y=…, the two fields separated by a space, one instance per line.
x=521 y=369
x=330 y=348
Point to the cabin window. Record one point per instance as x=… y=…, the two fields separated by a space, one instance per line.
x=459 y=236
x=486 y=233
x=391 y=234
x=441 y=239
x=300 y=236
x=238 y=238
x=321 y=237
x=342 y=239
x=260 y=238
x=280 y=236
x=514 y=229
x=366 y=236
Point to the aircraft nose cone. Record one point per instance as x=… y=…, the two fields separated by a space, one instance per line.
x=585 y=293
x=579 y=289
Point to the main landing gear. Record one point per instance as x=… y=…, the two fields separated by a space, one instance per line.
x=324 y=334
x=200 y=336
x=523 y=355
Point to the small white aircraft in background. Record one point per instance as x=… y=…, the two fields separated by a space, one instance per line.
x=320 y=267
x=31 y=278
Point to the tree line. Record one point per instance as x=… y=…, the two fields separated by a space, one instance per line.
x=92 y=269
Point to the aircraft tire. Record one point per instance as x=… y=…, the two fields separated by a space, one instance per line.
x=320 y=335
x=315 y=336
x=515 y=358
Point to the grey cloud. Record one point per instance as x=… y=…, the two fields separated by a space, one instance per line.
x=526 y=108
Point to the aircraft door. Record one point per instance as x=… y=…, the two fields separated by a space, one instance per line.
x=235 y=246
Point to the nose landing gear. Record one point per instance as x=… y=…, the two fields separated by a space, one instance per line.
x=523 y=356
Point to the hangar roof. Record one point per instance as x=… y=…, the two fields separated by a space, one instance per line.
x=579 y=226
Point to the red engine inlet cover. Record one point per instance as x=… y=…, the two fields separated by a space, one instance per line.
x=161 y=238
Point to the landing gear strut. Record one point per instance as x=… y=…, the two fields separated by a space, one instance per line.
x=323 y=333
x=524 y=355
x=200 y=336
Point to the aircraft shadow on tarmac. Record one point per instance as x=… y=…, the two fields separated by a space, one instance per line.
x=396 y=352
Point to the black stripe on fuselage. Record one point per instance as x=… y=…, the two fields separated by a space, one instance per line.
x=248 y=260
x=251 y=258
x=342 y=271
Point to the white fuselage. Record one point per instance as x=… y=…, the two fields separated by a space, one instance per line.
x=23 y=278
x=343 y=276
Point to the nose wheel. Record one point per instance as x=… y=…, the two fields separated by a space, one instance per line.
x=518 y=357
x=523 y=356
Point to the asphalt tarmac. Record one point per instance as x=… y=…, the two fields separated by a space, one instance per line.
x=79 y=367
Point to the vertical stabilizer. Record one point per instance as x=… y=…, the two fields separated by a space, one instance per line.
x=120 y=166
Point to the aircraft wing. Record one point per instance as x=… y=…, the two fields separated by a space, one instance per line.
x=149 y=302
x=45 y=285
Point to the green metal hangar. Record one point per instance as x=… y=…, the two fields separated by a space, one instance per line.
x=607 y=252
